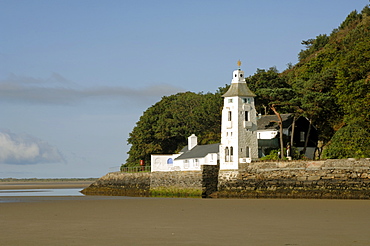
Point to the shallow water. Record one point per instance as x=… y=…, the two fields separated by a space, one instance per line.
x=41 y=192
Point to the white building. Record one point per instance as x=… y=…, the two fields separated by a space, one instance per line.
x=238 y=125
x=190 y=158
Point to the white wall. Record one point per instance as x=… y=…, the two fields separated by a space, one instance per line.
x=266 y=134
x=160 y=163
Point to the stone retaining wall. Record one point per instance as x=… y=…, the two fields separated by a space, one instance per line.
x=292 y=179
x=348 y=178
x=178 y=179
x=121 y=184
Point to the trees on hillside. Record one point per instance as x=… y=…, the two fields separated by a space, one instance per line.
x=332 y=84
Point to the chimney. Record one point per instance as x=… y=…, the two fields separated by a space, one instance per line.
x=192 y=141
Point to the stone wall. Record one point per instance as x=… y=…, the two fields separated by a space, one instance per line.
x=348 y=178
x=209 y=180
x=121 y=184
x=197 y=183
x=176 y=184
x=178 y=179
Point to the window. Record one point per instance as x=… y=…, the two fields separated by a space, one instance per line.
x=247 y=154
x=241 y=75
x=230 y=100
x=227 y=154
x=186 y=164
x=229 y=116
x=196 y=163
x=231 y=153
x=169 y=161
x=246 y=100
x=302 y=136
x=246 y=116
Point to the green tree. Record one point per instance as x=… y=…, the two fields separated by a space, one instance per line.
x=164 y=127
x=270 y=88
x=350 y=141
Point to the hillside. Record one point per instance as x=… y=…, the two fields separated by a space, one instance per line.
x=331 y=82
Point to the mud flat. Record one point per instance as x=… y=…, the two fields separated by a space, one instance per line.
x=163 y=221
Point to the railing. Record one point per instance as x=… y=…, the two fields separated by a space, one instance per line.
x=135 y=169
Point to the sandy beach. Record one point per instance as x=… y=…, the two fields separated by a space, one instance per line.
x=95 y=220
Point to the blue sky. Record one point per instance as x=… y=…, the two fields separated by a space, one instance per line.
x=75 y=76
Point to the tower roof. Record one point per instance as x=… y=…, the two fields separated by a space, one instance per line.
x=239 y=89
x=238 y=85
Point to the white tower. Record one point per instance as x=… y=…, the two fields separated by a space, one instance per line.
x=238 y=125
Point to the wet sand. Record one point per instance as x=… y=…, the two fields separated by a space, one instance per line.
x=156 y=221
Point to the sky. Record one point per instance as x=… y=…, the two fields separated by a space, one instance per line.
x=75 y=76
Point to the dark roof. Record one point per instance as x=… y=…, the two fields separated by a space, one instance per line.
x=199 y=151
x=239 y=89
x=271 y=121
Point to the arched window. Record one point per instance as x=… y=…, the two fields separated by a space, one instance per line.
x=169 y=161
x=227 y=154
x=231 y=153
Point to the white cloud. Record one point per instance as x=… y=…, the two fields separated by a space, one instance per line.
x=56 y=90
x=25 y=149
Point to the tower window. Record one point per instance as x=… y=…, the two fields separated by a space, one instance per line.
x=231 y=153
x=246 y=100
x=227 y=154
x=247 y=154
x=241 y=75
x=230 y=100
x=246 y=116
x=229 y=116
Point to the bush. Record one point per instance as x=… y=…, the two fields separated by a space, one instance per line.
x=351 y=141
